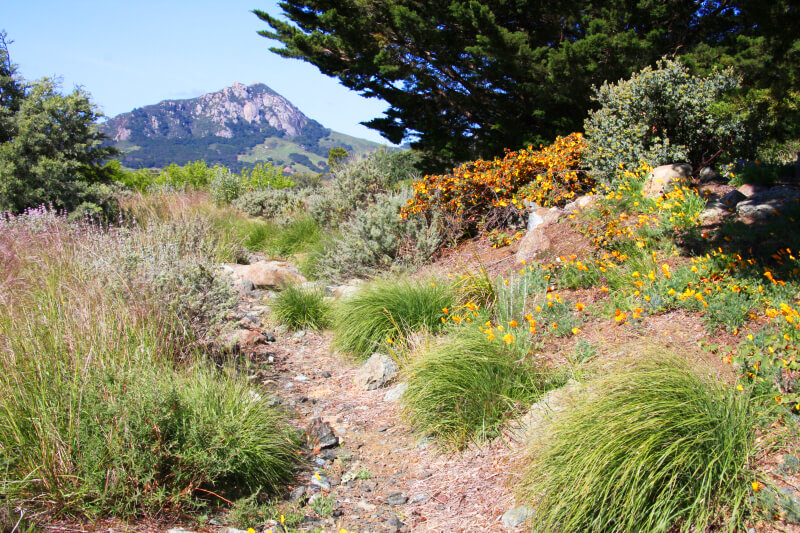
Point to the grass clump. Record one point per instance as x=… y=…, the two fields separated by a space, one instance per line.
x=298 y=235
x=386 y=310
x=299 y=308
x=653 y=448
x=463 y=386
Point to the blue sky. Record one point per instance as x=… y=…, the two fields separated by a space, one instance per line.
x=130 y=54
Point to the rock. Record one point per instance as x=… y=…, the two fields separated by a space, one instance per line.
x=301 y=378
x=662 y=179
x=320 y=435
x=532 y=243
x=297 y=494
x=347 y=290
x=321 y=482
x=749 y=189
x=712 y=213
x=518 y=516
x=269 y=337
x=246 y=287
x=768 y=202
x=707 y=174
x=179 y=530
x=364 y=506
x=419 y=498
x=396 y=498
x=326 y=374
x=378 y=370
x=238 y=339
x=730 y=200
x=395 y=393
x=542 y=216
x=540 y=413
x=266 y=273
x=232 y=530
x=394 y=522
x=580 y=202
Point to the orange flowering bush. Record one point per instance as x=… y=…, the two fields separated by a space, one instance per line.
x=549 y=176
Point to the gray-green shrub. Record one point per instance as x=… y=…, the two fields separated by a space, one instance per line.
x=376 y=237
x=661 y=115
x=268 y=203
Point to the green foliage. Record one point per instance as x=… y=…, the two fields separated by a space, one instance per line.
x=299 y=308
x=93 y=398
x=652 y=448
x=463 y=386
x=376 y=237
x=50 y=150
x=355 y=185
x=225 y=186
x=323 y=505
x=337 y=156
x=474 y=78
x=661 y=115
x=386 y=311
x=758 y=174
x=296 y=236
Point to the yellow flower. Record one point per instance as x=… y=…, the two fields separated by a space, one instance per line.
x=575 y=331
x=445 y=310
x=508 y=338
x=513 y=323
x=756 y=486
x=579 y=306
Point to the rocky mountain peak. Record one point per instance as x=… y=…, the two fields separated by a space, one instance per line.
x=220 y=113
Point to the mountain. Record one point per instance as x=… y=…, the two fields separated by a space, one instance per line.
x=237 y=126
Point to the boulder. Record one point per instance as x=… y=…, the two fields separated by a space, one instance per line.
x=266 y=273
x=238 y=339
x=749 y=189
x=581 y=202
x=730 y=200
x=662 y=179
x=376 y=372
x=541 y=413
x=542 y=216
x=768 y=202
x=532 y=243
x=320 y=435
x=707 y=174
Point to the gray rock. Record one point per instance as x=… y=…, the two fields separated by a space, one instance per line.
x=232 y=530
x=246 y=288
x=297 y=494
x=233 y=341
x=179 y=530
x=376 y=372
x=301 y=378
x=326 y=374
x=662 y=179
x=766 y=203
x=395 y=393
x=320 y=435
x=518 y=516
x=580 y=202
x=730 y=200
x=707 y=174
x=540 y=413
x=419 y=498
x=321 y=482
x=532 y=243
x=396 y=498
x=394 y=522
x=542 y=216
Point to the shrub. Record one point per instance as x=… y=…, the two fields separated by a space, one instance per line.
x=299 y=308
x=500 y=188
x=268 y=203
x=653 y=448
x=376 y=237
x=463 y=386
x=661 y=115
x=385 y=310
x=225 y=186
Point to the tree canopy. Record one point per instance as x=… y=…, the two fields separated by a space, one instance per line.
x=50 y=149
x=468 y=78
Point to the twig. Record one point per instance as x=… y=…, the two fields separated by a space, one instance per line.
x=214 y=494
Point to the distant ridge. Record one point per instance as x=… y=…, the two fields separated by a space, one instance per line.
x=236 y=126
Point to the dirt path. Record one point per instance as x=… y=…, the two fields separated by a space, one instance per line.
x=405 y=483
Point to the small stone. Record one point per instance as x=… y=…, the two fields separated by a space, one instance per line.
x=179 y=530
x=232 y=530
x=299 y=334
x=395 y=522
x=320 y=481
x=269 y=337
x=395 y=393
x=326 y=374
x=297 y=494
x=364 y=506
x=382 y=429
x=321 y=435
x=517 y=516
x=396 y=498
x=419 y=498
x=302 y=378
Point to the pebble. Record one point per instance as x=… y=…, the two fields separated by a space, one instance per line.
x=394 y=522
x=301 y=378
x=396 y=498
x=326 y=374
x=419 y=498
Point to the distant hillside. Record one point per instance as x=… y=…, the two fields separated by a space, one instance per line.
x=237 y=126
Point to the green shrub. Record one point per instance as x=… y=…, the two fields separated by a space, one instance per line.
x=387 y=310
x=463 y=386
x=299 y=308
x=661 y=115
x=652 y=448
x=757 y=174
x=225 y=186
x=375 y=237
